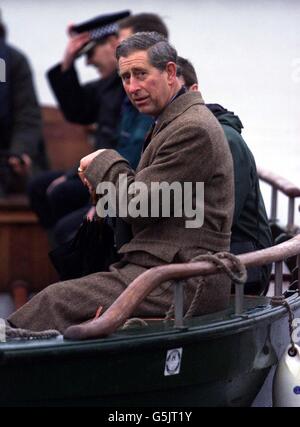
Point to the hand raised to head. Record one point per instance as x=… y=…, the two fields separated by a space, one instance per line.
x=75 y=43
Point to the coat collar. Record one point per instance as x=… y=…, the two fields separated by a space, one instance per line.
x=176 y=108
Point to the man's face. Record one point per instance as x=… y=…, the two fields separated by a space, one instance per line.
x=124 y=33
x=103 y=56
x=148 y=88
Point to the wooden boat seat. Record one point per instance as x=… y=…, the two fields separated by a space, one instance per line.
x=24 y=250
x=66 y=143
x=25 y=266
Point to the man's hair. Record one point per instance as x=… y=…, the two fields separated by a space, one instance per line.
x=159 y=50
x=187 y=71
x=145 y=22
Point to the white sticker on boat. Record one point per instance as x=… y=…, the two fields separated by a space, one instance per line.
x=173 y=361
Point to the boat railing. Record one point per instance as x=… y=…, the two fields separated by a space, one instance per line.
x=137 y=291
x=279 y=184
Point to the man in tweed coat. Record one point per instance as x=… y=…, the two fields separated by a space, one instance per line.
x=187 y=145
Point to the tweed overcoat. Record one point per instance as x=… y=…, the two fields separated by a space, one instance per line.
x=187 y=145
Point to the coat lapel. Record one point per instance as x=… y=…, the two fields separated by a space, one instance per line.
x=176 y=108
x=173 y=110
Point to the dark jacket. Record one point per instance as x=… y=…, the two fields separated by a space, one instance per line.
x=97 y=102
x=133 y=129
x=250 y=228
x=20 y=122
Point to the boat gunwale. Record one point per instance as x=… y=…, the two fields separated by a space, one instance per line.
x=142 y=336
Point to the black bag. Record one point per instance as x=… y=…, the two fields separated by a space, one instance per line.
x=90 y=251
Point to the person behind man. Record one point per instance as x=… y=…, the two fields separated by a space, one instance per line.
x=21 y=142
x=132 y=130
x=250 y=228
x=53 y=194
x=184 y=130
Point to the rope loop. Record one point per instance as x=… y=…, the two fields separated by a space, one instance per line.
x=277 y=301
x=25 y=334
x=236 y=272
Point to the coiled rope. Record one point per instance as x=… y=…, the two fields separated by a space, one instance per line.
x=236 y=272
x=25 y=334
x=277 y=301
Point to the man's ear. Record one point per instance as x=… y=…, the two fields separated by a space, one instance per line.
x=114 y=41
x=194 y=88
x=171 y=69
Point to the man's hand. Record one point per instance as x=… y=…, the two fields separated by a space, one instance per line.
x=84 y=164
x=76 y=42
x=55 y=183
x=91 y=213
x=20 y=165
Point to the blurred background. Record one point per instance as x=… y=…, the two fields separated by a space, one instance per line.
x=247 y=56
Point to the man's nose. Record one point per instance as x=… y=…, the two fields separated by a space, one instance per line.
x=133 y=86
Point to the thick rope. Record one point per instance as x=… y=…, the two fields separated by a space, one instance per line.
x=277 y=301
x=196 y=299
x=133 y=322
x=237 y=273
x=25 y=334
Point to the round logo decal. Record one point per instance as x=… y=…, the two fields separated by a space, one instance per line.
x=173 y=361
